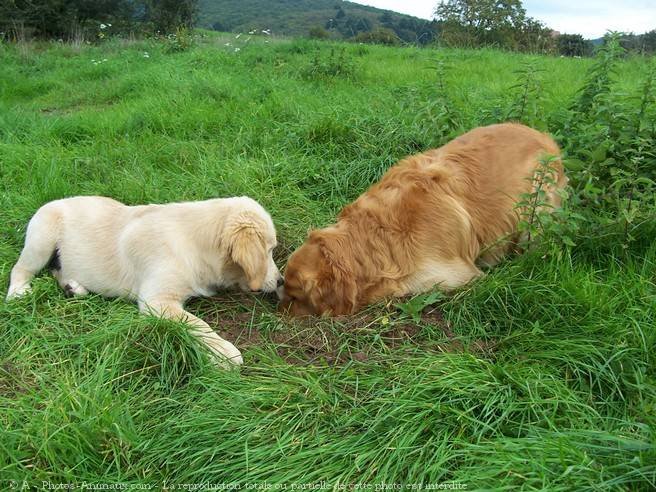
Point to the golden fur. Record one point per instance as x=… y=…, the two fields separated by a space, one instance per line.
x=425 y=223
x=158 y=255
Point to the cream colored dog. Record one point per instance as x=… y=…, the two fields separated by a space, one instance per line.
x=158 y=255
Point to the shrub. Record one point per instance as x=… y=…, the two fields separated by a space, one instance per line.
x=318 y=32
x=381 y=35
x=573 y=45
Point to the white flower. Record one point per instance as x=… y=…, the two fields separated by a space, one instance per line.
x=109 y=25
x=237 y=49
x=237 y=36
x=103 y=26
x=228 y=44
x=251 y=32
x=146 y=55
x=266 y=31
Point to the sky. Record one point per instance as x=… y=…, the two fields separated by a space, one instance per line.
x=591 y=18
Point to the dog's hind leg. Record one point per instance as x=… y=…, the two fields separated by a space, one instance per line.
x=40 y=249
x=446 y=275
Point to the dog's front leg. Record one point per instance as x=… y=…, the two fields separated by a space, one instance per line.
x=224 y=351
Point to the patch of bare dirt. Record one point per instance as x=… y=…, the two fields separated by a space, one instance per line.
x=319 y=341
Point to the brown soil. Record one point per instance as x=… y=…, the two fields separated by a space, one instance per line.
x=315 y=341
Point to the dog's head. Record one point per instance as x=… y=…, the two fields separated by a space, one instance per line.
x=319 y=277
x=252 y=239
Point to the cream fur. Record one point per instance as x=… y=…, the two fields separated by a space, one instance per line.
x=157 y=255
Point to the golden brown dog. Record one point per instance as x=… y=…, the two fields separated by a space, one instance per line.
x=426 y=223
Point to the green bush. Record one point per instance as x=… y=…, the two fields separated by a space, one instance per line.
x=381 y=35
x=318 y=32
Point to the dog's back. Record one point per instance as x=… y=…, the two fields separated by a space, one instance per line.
x=427 y=221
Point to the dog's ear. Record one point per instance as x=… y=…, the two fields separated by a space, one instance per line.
x=247 y=250
x=336 y=292
x=335 y=289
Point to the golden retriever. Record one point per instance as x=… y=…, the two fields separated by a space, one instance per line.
x=158 y=255
x=426 y=223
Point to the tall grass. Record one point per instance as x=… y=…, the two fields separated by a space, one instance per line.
x=540 y=375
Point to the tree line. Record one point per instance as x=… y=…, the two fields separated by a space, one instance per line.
x=389 y=29
x=473 y=24
x=504 y=23
x=68 y=18
x=458 y=23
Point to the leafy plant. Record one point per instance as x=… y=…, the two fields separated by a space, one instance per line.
x=415 y=306
x=181 y=40
x=437 y=115
x=527 y=95
x=599 y=78
x=336 y=64
x=534 y=205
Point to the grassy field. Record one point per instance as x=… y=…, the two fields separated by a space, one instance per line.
x=539 y=376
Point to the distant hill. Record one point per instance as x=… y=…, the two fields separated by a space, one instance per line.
x=296 y=17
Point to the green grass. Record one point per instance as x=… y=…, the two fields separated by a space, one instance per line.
x=539 y=376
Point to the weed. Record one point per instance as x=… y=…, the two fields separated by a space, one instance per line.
x=181 y=40
x=527 y=95
x=336 y=64
x=415 y=306
x=599 y=77
x=437 y=113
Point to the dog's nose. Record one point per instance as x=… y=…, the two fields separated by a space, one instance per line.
x=281 y=282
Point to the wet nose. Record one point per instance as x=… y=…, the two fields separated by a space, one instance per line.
x=281 y=282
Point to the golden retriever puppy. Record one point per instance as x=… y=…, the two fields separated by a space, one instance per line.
x=426 y=223
x=158 y=255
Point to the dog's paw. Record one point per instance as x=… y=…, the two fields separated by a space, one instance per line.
x=17 y=291
x=225 y=353
x=72 y=288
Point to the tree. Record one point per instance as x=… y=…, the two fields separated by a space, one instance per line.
x=167 y=15
x=482 y=15
x=59 y=18
x=386 y=19
x=573 y=45
x=62 y=18
x=639 y=43
x=472 y=23
x=534 y=37
x=649 y=41
x=219 y=26
x=351 y=25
